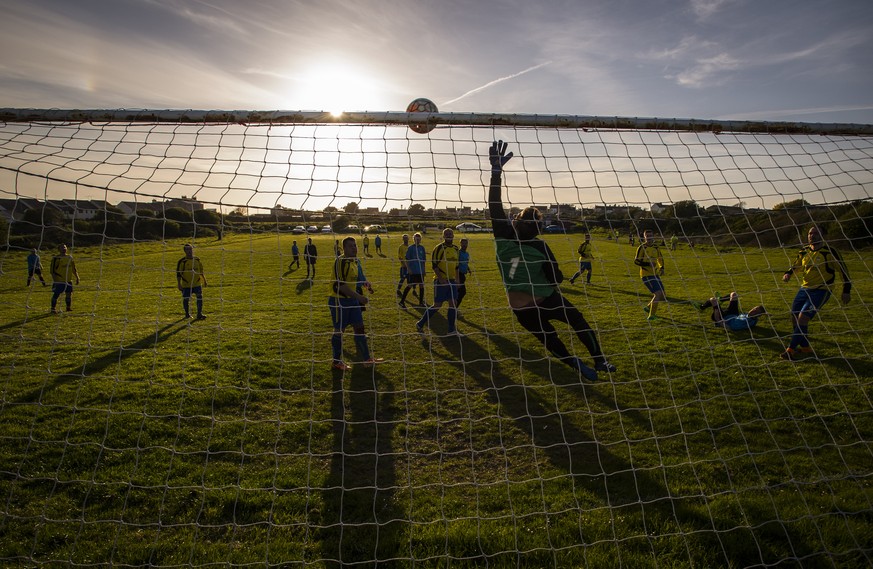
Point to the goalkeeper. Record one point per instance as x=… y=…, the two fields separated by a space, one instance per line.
x=531 y=277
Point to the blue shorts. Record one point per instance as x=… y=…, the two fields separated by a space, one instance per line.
x=584 y=266
x=654 y=284
x=739 y=322
x=59 y=288
x=808 y=301
x=445 y=292
x=345 y=312
x=403 y=273
x=196 y=290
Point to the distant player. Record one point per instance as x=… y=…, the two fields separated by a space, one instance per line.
x=366 y=241
x=401 y=256
x=63 y=271
x=310 y=256
x=463 y=270
x=531 y=277
x=190 y=280
x=416 y=257
x=818 y=265
x=295 y=255
x=34 y=267
x=444 y=260
x=731 y=318
x=345 y=303
x=377 y=242
x=584 y=251
x=651 y=263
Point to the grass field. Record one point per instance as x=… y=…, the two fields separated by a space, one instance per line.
x=131 y=437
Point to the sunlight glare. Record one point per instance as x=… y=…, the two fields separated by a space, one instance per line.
x=336 y=87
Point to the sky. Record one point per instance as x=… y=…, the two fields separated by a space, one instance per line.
x=781 y=60
x=759 y=60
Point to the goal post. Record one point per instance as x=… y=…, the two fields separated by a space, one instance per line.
x=133 y=435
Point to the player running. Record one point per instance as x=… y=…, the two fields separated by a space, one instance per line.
x=818 y=264
x=651 y=263
x=584 y=260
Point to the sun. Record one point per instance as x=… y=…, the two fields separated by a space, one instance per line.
x=336 y=87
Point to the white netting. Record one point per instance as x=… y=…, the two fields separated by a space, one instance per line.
x=134 y=437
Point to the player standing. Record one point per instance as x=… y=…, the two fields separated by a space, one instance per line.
x=416 y=256
x=401 y=256
x=63 y=270
x=34 y=267
x=463 y=271
x=310 y=256
x=190 y=280
x=295 y=255
x=444 y=260
x=346 y=306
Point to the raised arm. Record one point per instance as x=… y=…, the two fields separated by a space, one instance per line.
x=498 y=156
x=844 y=274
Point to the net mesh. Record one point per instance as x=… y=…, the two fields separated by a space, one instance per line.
x=132 y=436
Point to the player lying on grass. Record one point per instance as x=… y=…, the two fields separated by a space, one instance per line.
x=731 y=318
x=531 y=276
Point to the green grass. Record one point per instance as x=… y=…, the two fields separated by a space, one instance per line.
x=130 y=437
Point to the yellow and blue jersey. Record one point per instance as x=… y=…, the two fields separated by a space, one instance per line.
x=63 y=269
x=345 y=272
x=444 y=260
x=189 y=272
x=649 y=260
x=819 y=268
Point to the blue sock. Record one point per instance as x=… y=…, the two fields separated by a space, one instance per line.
x=425 y=318
x=797 y=337
x=363 y=348
x=453 y=318
x=185 y=305
x=199 y=306
x=336 y=342
x=803 y=341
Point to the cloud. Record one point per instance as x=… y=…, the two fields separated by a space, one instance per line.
x=214 y=18
x=496 y=82
x=703 y=9
x=709 y=71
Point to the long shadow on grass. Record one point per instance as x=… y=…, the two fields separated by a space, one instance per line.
x=304 y=285
x=91 y=367
x=20 y=323
x=639 y=498
x=359 y=520
x=641 y=294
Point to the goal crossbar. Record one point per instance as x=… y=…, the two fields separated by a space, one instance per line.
x=13 y=115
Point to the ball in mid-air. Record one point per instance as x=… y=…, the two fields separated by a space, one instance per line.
x=422 y=105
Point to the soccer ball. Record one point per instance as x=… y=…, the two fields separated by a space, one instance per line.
x=422 y=106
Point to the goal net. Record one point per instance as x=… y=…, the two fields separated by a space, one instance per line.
x=132 y=435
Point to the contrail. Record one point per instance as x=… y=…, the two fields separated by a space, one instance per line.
x=495 y=82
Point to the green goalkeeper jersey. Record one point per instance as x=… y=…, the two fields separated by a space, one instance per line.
x=521 y=266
